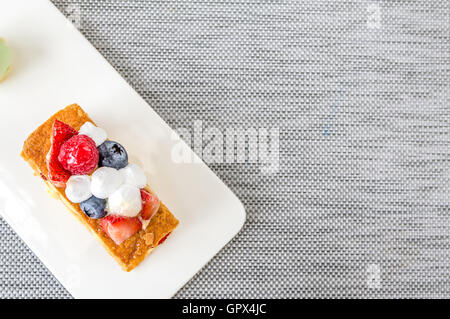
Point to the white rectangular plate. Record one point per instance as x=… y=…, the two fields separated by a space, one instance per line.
x=55 y=66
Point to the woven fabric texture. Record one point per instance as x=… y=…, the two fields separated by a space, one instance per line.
x=359 y=91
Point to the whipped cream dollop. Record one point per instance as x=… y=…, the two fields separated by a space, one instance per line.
x=134 y=175
x=126 y=201
x=78 y=188
x=96 y=133
x=105 y=181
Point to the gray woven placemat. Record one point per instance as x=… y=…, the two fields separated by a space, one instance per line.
x=359 y=91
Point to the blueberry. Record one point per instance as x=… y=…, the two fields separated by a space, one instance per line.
x=112 y=154
x=94 y=207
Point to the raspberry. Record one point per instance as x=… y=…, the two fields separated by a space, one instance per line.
x=79 y=155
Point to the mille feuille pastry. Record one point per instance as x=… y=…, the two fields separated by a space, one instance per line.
x=93 y=178
x=5 y=59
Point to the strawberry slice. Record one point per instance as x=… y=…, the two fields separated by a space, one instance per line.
x=163 y=239
x=150 y=204
x=120 y=228
x=57 y=175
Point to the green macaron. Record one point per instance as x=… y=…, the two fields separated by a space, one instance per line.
x=5 y=59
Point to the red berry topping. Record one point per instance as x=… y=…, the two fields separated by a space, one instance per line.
x=79 y=155
x=120 y=228
x=163 y=239
x=57 y=175
x=150 y=204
